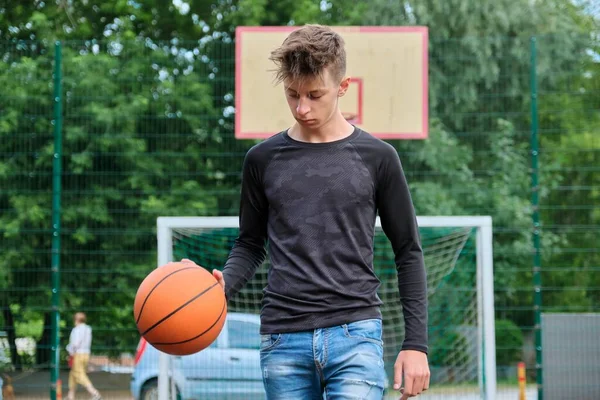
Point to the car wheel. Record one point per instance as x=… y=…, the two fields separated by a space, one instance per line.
x=150 y=391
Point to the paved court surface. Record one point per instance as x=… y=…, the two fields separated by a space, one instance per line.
x=34 y=386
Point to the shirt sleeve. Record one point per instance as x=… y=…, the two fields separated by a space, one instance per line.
x=399 y=223
x=248 y=251
x=69 y=347
x=75 y=340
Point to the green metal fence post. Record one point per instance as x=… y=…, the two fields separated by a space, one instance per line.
x=56 y=214
x=537 y=279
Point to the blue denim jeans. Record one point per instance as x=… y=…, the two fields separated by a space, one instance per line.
x=340 y=362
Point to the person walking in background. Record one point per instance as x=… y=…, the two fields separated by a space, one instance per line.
x=79 y=348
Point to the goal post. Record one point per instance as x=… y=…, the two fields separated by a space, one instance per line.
x=459 y=260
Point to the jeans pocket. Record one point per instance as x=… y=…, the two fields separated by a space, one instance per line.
x=369 y=330
x=269 y=341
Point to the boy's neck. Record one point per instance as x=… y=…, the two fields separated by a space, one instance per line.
x=336 y=129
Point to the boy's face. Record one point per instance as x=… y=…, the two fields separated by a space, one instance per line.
x=314 y=100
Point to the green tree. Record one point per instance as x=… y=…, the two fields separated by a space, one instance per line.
x=479 y=77
x=509 y=343
x=67 y=20
x=148 y=121
x=25 y=114
x=571 y=149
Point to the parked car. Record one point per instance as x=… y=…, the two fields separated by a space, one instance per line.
x=227 y=369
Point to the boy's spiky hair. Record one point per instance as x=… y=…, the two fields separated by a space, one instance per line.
x=307 y=51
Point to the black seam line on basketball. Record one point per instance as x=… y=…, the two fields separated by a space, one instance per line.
x=179 y=308
x=195 y=337
x=155 y=286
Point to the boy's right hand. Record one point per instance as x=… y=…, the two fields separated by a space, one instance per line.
x=216 y=273
x=219 y=277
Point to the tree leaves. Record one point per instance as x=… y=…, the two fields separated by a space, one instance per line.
x=148 y=121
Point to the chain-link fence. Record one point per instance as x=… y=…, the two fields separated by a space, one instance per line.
x=99 y=138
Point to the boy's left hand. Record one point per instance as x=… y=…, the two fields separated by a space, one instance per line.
x=415 y=368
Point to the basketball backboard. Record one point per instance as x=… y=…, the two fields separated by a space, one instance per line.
x=388 y=67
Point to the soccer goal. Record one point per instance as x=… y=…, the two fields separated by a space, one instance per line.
x=458 y=258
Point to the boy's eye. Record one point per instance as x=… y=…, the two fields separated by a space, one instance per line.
x=310 y=96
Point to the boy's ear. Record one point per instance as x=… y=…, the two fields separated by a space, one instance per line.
x=344 y=86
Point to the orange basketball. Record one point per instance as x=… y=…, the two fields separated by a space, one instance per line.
x=180 y=308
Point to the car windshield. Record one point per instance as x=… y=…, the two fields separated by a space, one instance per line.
x=244 y=335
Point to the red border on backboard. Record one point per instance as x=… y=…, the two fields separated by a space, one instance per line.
x=382 y=135
x=359 y=112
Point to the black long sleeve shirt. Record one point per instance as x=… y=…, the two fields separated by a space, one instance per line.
x=315 y=205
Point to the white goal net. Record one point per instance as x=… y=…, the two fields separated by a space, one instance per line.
x=458 y=258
